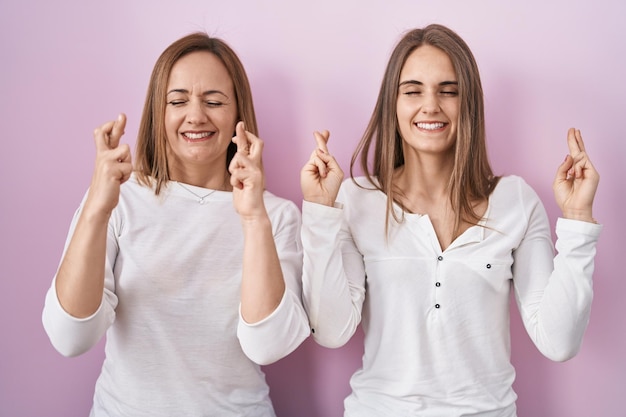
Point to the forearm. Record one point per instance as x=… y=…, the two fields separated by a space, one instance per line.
x=262 y=284
x=80 y=278
x=556 y=308
x=333 y=278
x=567 y=306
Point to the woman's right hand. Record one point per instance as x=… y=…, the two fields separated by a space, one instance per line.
x=80 y=278
x=321 y=176
x=112 y=168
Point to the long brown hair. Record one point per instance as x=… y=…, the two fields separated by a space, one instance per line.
x=472 y=178
x=151 y=149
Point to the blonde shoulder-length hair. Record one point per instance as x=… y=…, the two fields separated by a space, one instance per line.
x=472 y=179
x=151 y=164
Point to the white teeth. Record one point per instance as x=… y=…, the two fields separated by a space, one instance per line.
x=430 y=126
x=197 y=135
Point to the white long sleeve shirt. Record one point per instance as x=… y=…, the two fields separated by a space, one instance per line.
x=436 y=323
x=175 y=339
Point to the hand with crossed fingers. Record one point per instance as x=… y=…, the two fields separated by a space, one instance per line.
x=80 y=278
x=113 y=166
x=576 y=181
x=321 y=176
x=247 y=176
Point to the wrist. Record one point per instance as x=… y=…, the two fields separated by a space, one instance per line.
x=255 y=220
x=323 y=201
x=584 y=216
x=93 y=214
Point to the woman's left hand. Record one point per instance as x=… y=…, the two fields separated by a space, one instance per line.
x=246 y=174
x=576 y=181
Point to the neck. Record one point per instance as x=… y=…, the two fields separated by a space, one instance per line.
x=203 y=178
x=424 y=176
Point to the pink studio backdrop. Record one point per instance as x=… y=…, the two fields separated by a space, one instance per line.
x=69 y=66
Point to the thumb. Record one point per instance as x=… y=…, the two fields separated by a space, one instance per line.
x=563 y=172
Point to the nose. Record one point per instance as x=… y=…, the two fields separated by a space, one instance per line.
x=196 y=112
x=430 y=103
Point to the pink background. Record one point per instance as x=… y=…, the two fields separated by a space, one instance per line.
x=69 y=66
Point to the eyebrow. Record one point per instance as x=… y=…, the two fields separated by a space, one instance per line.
x=206 y=93
x=415 y=82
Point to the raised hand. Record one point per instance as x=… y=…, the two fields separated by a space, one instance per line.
x=576 y=181
x=112 y=168
x=321 y=176
x=246 y=174
x=80 y=278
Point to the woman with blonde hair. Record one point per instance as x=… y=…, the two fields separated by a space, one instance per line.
x=424 y=249
x=185 y=261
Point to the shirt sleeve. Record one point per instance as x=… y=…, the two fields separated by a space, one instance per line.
x=333 y=275
x=554 y=293
x=73 y=336
x=280 y=333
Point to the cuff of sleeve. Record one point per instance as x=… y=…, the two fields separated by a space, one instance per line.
x=313 y=209
x=577 y=226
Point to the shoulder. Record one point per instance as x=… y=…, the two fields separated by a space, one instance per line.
x=135 y=195
x=513 y=193
x=133 y=186
x=509 y=181
x=280 y=207
x=512 y=185
x=359 y=187
x=361 y=198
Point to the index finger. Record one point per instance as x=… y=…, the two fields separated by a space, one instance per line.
x=101 y=136
x=575 y=142
x=322 y=140
x=255 y=149
x=241 y=139
x=117 y=131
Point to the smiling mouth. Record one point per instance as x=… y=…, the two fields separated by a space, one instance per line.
x=430 y=126
x=197 y=136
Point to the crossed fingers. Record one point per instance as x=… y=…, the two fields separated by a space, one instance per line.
x=247 y=160
x=108 y=135
x=580 y=160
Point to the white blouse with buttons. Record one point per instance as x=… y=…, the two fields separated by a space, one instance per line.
x=436 y=323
